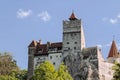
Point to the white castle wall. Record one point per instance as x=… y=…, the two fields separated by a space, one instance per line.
x=105 y=68
x=54 y=58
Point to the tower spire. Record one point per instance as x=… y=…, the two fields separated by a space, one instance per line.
x=72 y=17
x=113 y=50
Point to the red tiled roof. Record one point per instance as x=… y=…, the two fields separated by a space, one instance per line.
x=72 y=17
x=113 y=50
x=43 y=47
x=55 y=45
x=33 y=44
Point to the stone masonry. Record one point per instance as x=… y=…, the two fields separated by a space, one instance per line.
x=83 y=63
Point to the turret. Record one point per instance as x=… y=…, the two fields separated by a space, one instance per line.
x=31 y=52
x=113 y=53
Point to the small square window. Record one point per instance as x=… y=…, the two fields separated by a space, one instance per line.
x=75 y=34
x=67 y=42
x=68 y=48
x=50 y=57
x=75 y=42
x=75 y=48
x=54 y=63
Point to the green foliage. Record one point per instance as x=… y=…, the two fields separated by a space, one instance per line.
x=6 y=77
x=63 y=73
x=116 y=69
x=20 y=75
x=46 y=71
x=7 y=64
x=9 y=69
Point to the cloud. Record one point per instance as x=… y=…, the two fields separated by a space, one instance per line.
x=100 y=46
x=113 y=21
x=45 y=16
x=23 y=13
x=104 y=45
x=107 y=45
x=118 y=16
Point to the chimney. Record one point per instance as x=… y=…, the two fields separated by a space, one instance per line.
x=48 y=45
x=40 y=41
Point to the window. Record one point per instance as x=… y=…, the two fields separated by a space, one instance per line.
x=54 y=63
x=74 y=59
x=68 y=48
x=67 y=42
x=50 y=57
x=75 y=48
x=75 y=42
x=109 y=72
x=38 y=58
x=75 y=34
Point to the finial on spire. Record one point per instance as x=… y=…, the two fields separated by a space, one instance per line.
x=113 y=37
x=72 y=17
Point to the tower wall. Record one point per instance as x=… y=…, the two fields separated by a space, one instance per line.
x=73 y=37
x=31 y=51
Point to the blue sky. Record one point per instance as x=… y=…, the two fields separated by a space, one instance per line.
x=22 y=21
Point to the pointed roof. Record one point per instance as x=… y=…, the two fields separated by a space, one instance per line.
x=113 y=50
x=72 y=17
x=33 y=44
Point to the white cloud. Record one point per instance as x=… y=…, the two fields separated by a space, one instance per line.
x=44 y=16
x=118 y=15
x=113 y=21
x=107 y=45
x=100 y=46
x=104 y=45
x=23 y=13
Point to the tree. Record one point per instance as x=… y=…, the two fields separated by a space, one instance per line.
x=46 y=71
x=20 y=75
x=9 y=69
x=6 y=77
x=63 y=73
x=7 y=64
x=116 y=68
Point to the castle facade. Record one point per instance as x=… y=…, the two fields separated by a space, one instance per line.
x=83 y=63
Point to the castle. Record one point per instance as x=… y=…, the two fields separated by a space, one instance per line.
x=83 y=63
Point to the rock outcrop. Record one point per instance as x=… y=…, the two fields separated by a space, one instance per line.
x=83 y=66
